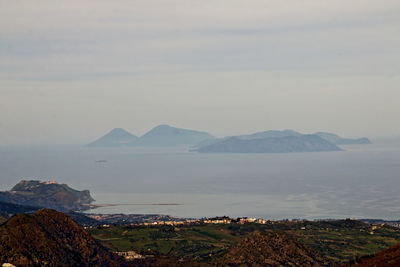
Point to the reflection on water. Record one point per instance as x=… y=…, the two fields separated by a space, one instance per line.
x=362 y=181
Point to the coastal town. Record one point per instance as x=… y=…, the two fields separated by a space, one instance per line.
x=154 y=220
x=106 y=220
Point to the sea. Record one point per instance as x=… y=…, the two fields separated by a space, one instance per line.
x=363 y=181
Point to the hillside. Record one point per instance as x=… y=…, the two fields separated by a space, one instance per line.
x=115 y=138
x=336 y=241
x=286 y=144
x=9 y=209
x=51 y=238
x=386 y=258
x=47 y=194
x=271 y=249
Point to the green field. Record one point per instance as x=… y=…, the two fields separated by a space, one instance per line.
x=338 y=241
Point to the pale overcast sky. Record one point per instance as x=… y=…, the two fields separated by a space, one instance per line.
x=72 y=70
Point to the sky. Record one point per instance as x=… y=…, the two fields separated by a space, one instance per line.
x=72 y=70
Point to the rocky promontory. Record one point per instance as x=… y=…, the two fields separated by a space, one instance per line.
x=47 y=194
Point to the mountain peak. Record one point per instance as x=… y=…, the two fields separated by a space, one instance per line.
x=163 y=126
x=166 y=135
x=120 y=130
x=162 y=129
x=115 y=137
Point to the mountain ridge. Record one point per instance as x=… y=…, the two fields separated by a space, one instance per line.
x=165 y=135
x=287 y=144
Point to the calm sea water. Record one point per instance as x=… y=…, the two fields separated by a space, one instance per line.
x=361 y=182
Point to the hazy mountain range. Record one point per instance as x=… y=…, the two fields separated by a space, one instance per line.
x=273 y=141
x=161 y=135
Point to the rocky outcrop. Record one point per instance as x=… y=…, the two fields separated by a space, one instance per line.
x=48 y=195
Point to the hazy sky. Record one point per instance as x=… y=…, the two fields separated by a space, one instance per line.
x=72 y=70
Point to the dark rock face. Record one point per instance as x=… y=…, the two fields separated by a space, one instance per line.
x=47 y=194
x=272 y=249
x=115 y=138
x=50 y=238
x=387 y=258
x=286 y=144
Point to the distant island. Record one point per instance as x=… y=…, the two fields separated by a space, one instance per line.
x=330 y=137
x=165 y=135
x=48 y=194
x=272 y=141
x=115 y=138
x=286 y=144
x=160 y=136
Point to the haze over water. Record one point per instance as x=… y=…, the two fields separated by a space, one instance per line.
x=361 y=182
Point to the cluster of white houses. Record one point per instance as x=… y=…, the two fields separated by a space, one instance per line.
x=130 y=255
x=215 y=220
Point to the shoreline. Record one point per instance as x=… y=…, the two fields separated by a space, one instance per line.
x=96 y=206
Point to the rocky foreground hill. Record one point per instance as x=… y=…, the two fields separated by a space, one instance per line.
x=387 y=258
x=48 y=195
x=272 y=249
x=50 y=238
